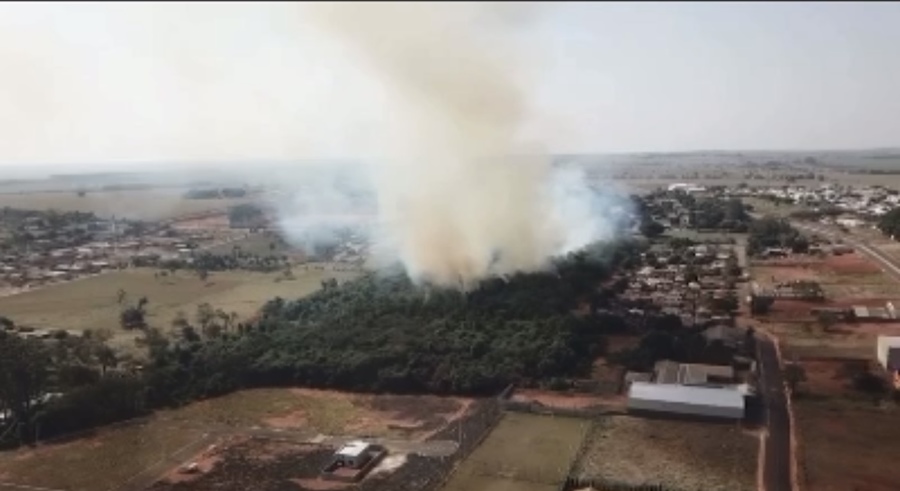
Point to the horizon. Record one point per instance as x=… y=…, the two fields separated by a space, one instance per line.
x=124 y=84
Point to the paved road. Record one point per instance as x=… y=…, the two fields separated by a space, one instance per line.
x=777 y=465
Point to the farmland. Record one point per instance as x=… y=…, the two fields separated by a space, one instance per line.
x=140 y=452
x=679 y=454
x=92 y=303
x=524 y=452
x=151 y=204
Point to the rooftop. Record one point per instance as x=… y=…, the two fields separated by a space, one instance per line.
x=354 y=448
x=683 y=394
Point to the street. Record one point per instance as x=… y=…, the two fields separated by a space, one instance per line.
x=777 y=471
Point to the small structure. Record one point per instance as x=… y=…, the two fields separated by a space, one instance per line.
x=353 y=460
x=353 y=454
x=703 y=402
x=889 y=356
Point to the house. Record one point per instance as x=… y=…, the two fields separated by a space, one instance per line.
x=683 y=400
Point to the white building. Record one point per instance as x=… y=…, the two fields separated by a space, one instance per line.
x=725 y=402
x=889 y=356
x=354 y=454
x=889 y=352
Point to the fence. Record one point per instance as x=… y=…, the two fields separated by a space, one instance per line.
x=574 y=484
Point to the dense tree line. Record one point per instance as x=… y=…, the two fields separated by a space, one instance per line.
x=774 y=232
x=215 y=193
x=207 y=261
x=889 y=224
x=245 y=215
x=383 y=333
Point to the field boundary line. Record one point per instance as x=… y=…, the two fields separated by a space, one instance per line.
x=26 y=486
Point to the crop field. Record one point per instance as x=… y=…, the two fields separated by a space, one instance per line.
x=134 y=455
x=679 y=454
x=92 y=303
x=152 y=204
x=525 y=452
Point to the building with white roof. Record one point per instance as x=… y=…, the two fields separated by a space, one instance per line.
x=710 y=402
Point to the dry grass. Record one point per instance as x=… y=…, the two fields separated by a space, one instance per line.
x=106 y=460
x=153 y=204
x=524 y=452
x=680 y=454
x=848 y=446
x=91 y=303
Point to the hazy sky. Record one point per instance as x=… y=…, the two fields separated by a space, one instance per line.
x=138 y=81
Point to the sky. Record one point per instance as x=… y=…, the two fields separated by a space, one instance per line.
x=99 y=84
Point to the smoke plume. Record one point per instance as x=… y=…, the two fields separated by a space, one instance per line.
x=461 y=195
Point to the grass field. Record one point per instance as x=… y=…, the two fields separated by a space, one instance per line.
x=524 y=452
x=105 y=461
x=678 y=454
x=91 y=303
x=153 y=204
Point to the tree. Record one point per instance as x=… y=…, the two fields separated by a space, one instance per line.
x=794 y=373
x=132 y=318
x=651 y=228
x=25 y=365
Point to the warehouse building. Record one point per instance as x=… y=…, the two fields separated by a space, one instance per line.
x=696 y=401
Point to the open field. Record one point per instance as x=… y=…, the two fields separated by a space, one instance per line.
x=91 y=303
x=679 y=454
x=849 y=279
x=152 y=204
x=524 y=452
x=848 y=440
x=845 y=277
x=146 y=450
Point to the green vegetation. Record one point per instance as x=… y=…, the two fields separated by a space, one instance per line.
x=889 y=224
x=215 y=193
x=774 y=232
x=386 y=334
x=245 y=215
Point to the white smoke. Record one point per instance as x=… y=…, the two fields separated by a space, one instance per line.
x=460 y=194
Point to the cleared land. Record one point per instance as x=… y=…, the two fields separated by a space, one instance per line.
x=848 y=441
x=849 y=279
x=91 y=303
x=141 y=452
x=151 y=204
x=524 y=452
x=678 y=454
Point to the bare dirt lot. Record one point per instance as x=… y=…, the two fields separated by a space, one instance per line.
x=848 y=446
x=678 y=454
x=525 y=452
x=118 y=457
